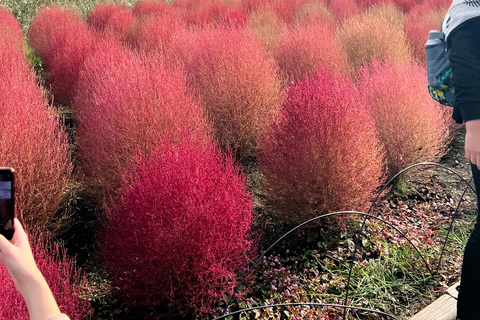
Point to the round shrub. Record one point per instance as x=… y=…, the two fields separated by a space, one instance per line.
x=11 y=28
x=144 y=8
x=202 y=13
x=322 y=153
x=44 y=25
x=313 y=11
x=152 y=33
x=304 y=48
x=286 y=9
x=63 y=47
x=236 y=81
x=67 y=282
x=419 y=21
x=110 y=18
x=124 y=103
x=377 y=33
x=343 y=9
x=182 y=224
x=410 y=124
x=267 y=27
x=32 y=140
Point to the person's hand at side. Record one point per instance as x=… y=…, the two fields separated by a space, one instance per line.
x=472 y=141
x=17 y=256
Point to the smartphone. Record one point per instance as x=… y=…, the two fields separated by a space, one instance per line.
x=7 y=201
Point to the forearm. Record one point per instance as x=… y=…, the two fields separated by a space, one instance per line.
x=40 y=301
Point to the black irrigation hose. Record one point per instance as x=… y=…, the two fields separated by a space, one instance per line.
x=366 y=216
x=451 y=226
x=307 y=222
x=305 y=304
x=360 y=231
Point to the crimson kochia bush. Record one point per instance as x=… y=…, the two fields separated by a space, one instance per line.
x=32 y=138
x=322 y=153
x=63 y=48
x=182 y=223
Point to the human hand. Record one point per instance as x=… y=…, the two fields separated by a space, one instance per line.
x=17 y=256
x=472 y=141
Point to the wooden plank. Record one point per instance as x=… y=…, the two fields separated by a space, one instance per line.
x=444 y=308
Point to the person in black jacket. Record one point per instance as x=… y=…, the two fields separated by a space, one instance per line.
x=462 y=30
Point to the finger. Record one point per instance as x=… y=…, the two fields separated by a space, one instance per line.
x=467 y=155
x=19 y=236
x=5 y=247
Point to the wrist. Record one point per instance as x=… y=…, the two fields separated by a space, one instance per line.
x=33 y=280
x=473 y=125
x=40 y=301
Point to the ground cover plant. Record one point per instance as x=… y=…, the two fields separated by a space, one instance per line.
x=148 y=90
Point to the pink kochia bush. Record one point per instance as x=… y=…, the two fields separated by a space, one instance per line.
x=304 y=48
x=32 y=138
x=151 y=33
x=235 y=79
x=182 y=224
x=64 y=51
x=67 y=282
x=145 y=8
x=45 y=23
x=124 y=103
x=419 y=21
x=110 y=19
x=410 y=124
x=11 y=29
x=322 y=153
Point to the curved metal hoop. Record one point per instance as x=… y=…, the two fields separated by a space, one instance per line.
x=306 y=304
x=360 y=231
x=366 y=216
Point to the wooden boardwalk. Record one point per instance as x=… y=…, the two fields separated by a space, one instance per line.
x=444 y=308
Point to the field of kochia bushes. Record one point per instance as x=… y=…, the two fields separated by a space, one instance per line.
x=327 y=98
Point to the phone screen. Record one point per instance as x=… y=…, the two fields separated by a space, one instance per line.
x=7 y=203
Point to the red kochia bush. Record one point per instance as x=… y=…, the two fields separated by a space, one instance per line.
x=144 y=8
x=67 y=282
x=267 y=27
x=110 y=18
x=182 y=224
x=235 y=79
x=410 y=124
x=124 y=102
x=419 y=21
x=32 y=139
x=153 y=32
x=343 y=9
x=201 y=13
x=64 y=52
x=302 y=49
x=11 y=28
x=322 y=154
x=45 y=23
